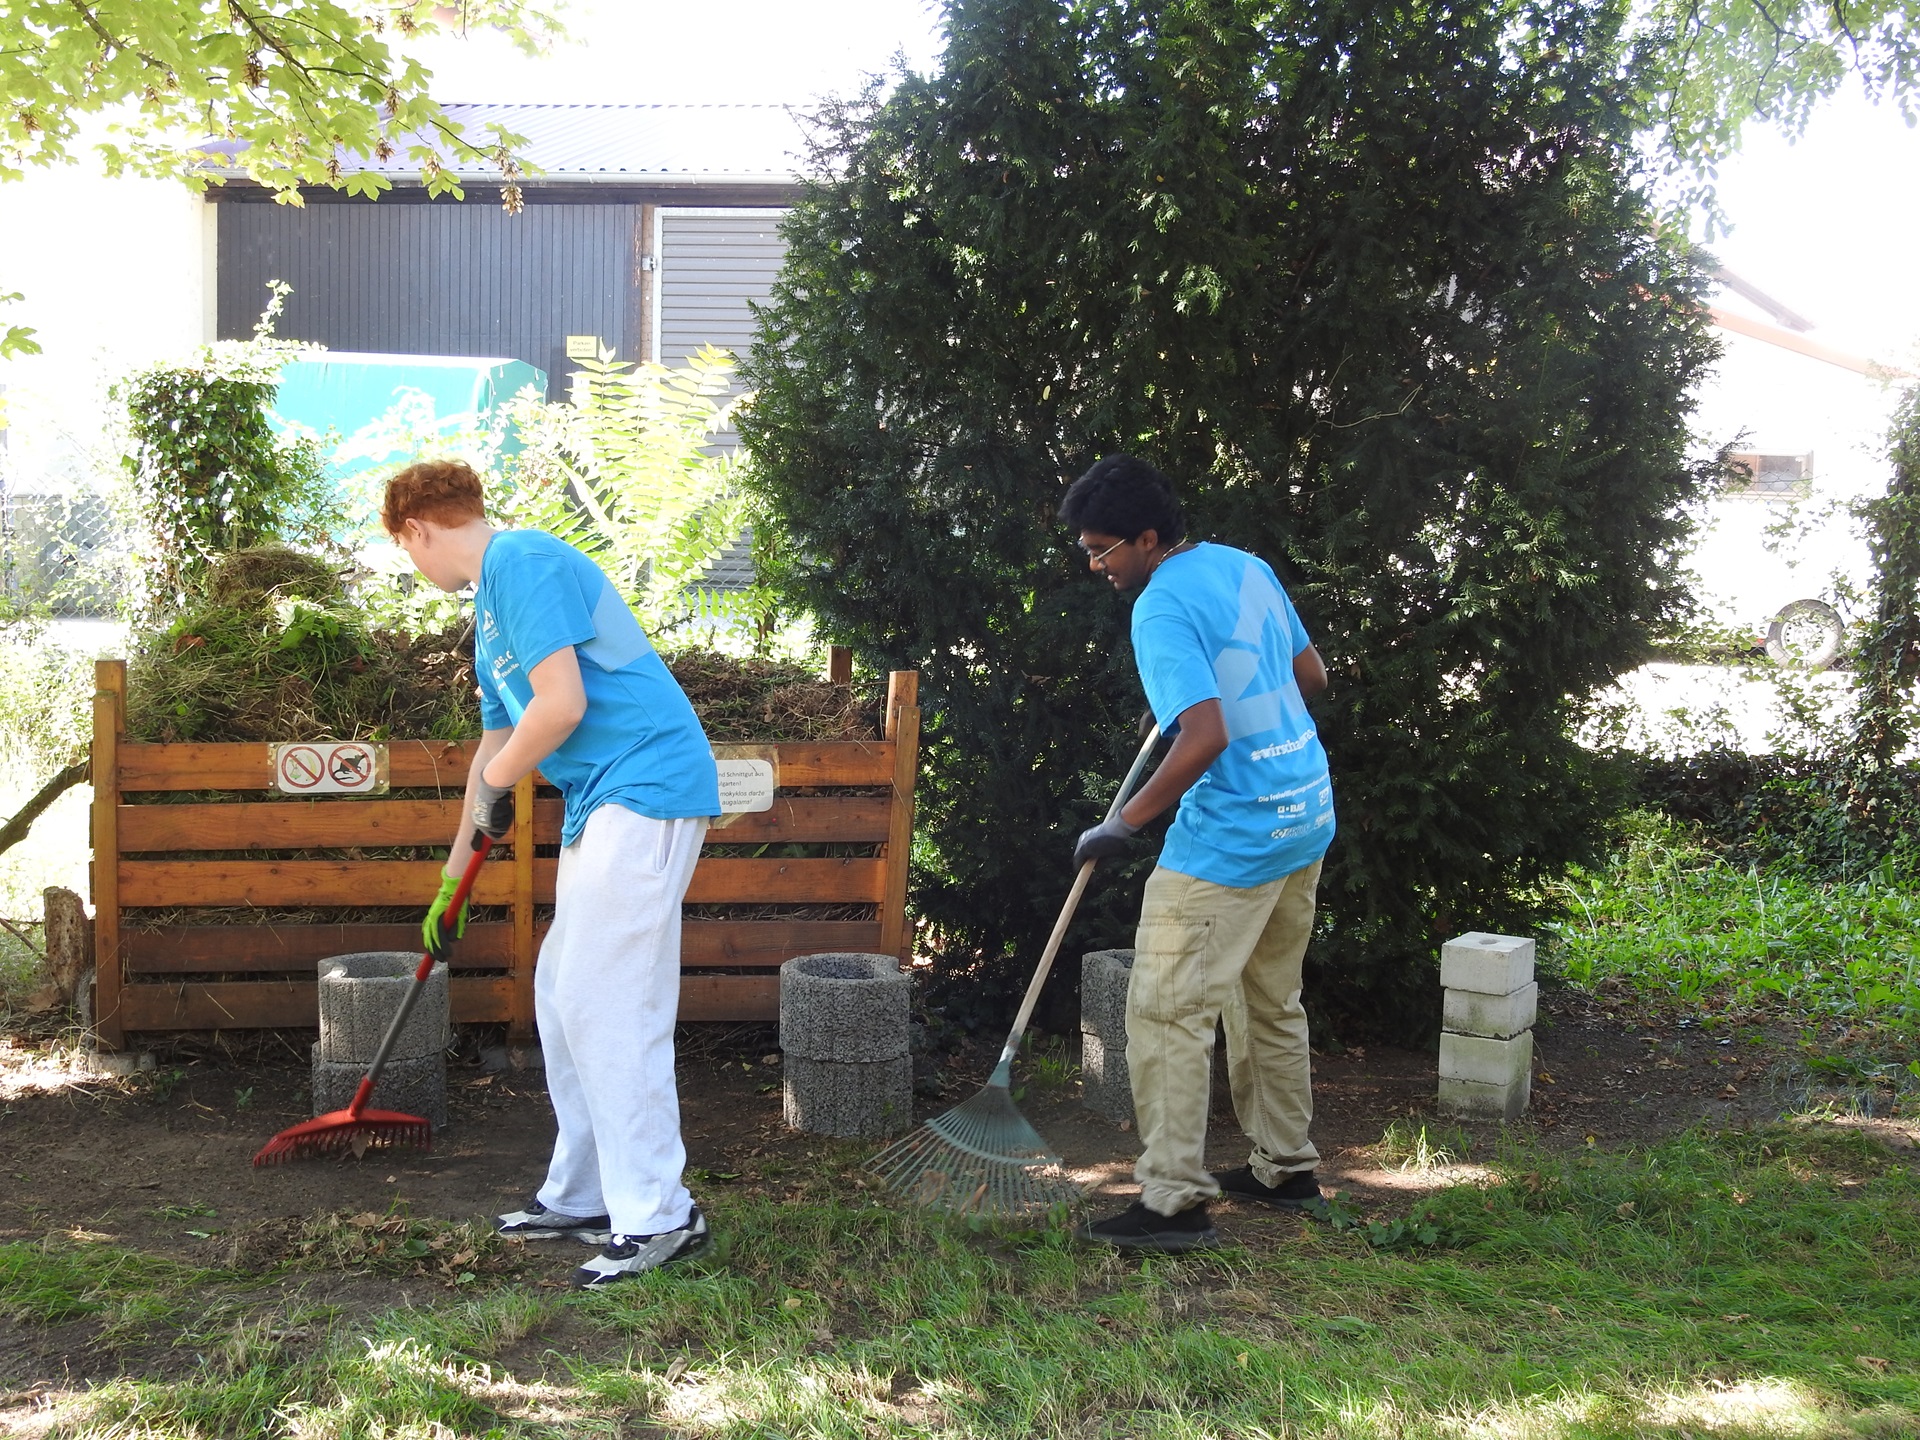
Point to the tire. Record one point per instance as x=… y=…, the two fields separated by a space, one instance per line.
x=1805 y=635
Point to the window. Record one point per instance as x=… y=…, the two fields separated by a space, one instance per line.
x=1773 y=477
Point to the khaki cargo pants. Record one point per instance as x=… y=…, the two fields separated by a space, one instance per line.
x=1203 y=953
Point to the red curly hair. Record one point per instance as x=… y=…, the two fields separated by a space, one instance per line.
x=444 y=492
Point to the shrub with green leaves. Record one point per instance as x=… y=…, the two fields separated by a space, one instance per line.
x=208 y=472
x=1378 y=289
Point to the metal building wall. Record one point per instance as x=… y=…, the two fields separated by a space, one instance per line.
x=712 y=263
x=437 y=279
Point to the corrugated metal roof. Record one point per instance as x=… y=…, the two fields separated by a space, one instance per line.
x=762 y=143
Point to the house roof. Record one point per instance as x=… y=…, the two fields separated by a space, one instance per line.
x=661 y=144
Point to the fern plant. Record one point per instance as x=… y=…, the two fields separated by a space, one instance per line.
x=629 y=470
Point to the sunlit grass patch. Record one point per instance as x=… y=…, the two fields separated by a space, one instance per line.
x=1671 y=918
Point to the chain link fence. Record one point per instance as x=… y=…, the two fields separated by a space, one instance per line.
x=55 y=552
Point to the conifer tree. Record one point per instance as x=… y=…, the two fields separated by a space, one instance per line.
x=1375 y=285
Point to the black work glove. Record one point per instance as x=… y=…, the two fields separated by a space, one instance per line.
x=1110 y=837
x=492 y=808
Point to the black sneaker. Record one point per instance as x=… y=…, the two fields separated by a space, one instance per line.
x=629 y=1255
x=537 y=1222
x=1297 y=1190
x=1138 y=1228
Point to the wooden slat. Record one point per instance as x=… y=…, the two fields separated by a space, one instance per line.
x=771 y=943
x=276 y=949
x=730 y=997
x=761 y=882
x=836 y=762
x=903 y=728
x=270 y=884
x=283 y=1004
x=417 y=764
x=787 y=882
x=411 y=764
x=287 y=825
x=810 y=820
x=109 y=723
x=294 y=949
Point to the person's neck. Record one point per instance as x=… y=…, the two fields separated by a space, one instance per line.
x=468 y=546
x=1160 y=556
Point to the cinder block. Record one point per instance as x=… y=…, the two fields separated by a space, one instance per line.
x=114 y=1064
x=1472 y=1100
x=359 y=996
x=1104 y=975
x=1468 y=1012
x=868 y=1100
x=1488 y=964
x=845 y=1008
x=1106 y=1087
x=1487 y=1062
x=413 y=1087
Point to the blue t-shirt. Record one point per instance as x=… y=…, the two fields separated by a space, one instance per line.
x=1214 y=624
x=639 y=746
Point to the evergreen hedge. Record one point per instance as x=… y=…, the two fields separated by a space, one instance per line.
x=1376 y=286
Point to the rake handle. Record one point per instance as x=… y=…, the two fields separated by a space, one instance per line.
x=1002 y=1073
x=482 y=843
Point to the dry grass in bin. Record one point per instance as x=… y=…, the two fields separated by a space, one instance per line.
x=745 y=700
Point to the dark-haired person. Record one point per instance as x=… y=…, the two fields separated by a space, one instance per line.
x=570 y=684
x=1225 y=916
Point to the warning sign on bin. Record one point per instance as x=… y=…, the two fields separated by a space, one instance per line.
x=748 y=778
x=330 y=767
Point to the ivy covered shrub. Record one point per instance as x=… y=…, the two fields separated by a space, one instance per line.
x=1377 y=287
x=207 y=471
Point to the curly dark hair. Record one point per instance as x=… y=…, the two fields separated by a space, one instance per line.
x=1124 y=497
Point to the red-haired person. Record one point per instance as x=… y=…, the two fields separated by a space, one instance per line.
x=570 y=684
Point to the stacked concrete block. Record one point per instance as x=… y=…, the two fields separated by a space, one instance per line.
x=1486 y=1045
x=843 y=1037
x=1105 y=1086
x=359 y=995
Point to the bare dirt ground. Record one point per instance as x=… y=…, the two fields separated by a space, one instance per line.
x=161 y=1163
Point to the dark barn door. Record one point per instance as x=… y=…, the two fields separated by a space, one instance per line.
x=443 y=278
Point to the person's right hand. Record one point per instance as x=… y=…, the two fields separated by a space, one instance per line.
x=434 y=930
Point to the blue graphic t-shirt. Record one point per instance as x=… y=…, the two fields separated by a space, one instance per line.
x=639 y=746
x=1214 y=624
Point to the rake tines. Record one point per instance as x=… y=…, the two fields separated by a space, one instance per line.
x=982 y=1157
x=979 y=1158
x=344 y=1130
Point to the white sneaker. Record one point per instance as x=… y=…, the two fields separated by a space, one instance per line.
x=537 y=1222
x=628 y=1255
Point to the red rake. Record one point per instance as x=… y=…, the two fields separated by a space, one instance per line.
x=357 y=1128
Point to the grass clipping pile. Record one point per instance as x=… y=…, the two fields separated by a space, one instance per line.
x=273 y=650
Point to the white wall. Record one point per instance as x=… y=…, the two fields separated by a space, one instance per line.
x=116 y=274
x=1788 y=404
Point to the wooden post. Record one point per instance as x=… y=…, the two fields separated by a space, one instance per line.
x=109 y=723
x=839 y=665
x=521 y=1026
x=903 y=728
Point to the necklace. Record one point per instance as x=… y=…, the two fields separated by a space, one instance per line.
x=1183 y=545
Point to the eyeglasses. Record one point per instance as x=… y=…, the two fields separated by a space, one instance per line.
x=1101 y=558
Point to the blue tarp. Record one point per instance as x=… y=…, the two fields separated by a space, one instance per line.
x=387 y=408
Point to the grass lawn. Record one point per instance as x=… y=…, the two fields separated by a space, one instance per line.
x=1733 y=1285
x=1670 y=919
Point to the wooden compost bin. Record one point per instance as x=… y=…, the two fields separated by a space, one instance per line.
x=300 y=856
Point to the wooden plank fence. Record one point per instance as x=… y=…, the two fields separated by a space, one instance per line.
x=151 y=858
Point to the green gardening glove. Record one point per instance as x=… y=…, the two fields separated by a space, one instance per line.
x=433 y=931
